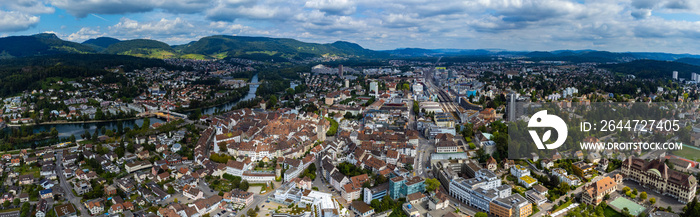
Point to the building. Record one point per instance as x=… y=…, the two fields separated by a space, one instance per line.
x=361 y=208
x=95 y=206
x=523 y=176
x=657 y=176
x=374 y=88
x=513 y=205
x=595 y=192
x=534 y=197
x=572 y=180
x=66 y=210
x=41 y=208
x=377 y=192
x=238 y=196
x=480 y=190
x=402 y=187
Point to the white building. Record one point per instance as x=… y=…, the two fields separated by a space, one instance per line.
x=479 y=191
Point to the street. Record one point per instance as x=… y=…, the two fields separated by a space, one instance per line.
x=67 y=190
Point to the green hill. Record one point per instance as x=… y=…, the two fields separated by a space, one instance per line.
x=40 y=44
x=142 y=48
x=101 y=43
x=242 y=46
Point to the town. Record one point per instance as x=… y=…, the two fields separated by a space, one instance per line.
x=410 y=138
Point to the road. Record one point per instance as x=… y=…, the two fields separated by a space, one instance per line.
x=547 y=206
x=67 y=190
x=422 y=159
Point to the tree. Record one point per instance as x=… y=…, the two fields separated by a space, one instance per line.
x=257 y=209
x=244 y=185
x=652 y=200
x=252 y=213
x=6 y=203
x=626 y=189
x=272 y=101
x=15 y=201
x=171 y=190
x=431 y=184
x=634 y=191
x=481 y=214
x=643 y=195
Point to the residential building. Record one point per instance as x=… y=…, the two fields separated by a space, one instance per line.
x=480 y=190
x=361 y=209
x=66 y=210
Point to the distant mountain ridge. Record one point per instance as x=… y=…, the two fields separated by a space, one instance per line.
x=283 y=49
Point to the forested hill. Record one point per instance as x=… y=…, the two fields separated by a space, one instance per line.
x=27 y=73
x=220 y=46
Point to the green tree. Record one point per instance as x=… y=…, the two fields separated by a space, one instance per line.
x=481 y=214
x=244 y=185
x=431 y=184
x=643 y=195
x=652 y=200
x=15 y=201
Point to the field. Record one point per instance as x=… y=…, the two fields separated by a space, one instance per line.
x=688 y=152
x=621 y=202
x=195 y=57
x=610 y=212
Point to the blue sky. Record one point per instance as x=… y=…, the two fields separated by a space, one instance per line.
x=613 y=25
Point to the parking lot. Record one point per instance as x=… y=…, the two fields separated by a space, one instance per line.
x=10 y=214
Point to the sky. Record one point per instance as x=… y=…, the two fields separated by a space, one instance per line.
x=671 y=26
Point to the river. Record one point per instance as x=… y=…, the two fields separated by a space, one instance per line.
x=76 y=129
x=251 y=94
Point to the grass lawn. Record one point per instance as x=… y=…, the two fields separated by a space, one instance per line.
x=567 y=204
x=25 y=169
x=689 y=153
x=609 y=212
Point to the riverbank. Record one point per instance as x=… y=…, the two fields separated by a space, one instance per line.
x=73 y=122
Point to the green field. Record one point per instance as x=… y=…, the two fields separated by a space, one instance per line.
x=621 y=202
x=609 y=212
x=688 y=152
x=195 y=57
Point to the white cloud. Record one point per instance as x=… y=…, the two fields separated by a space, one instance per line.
x=85 y=33
x=337 y=7
x=27 y=6
x=13 y=21
x=164 y=26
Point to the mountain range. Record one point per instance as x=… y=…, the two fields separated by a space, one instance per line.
x=283 y=49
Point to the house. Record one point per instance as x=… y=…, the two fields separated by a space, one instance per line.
x=46 y=193
x=110 y=190
x=192 y=192
x=491 y=164
x=41 y=208
x=66 y=210
x=361 y=209
x=546 y=163
x=204 y=206
x=26 y=179
x=94 y=206
x=338 y=180
x=116 y=208
x=238 y=196
x=24 y=197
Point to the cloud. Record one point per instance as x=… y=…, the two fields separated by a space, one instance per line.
x=232 y=10
x=81 y=8
x=335 y=7
x=13 y=21
x=27 y=6
x=641 y=13
x=85 y=33
x=164 y=26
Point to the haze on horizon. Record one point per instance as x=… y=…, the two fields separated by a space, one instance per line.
x=613 y=25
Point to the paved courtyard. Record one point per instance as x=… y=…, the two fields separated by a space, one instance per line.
x=661 y=200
